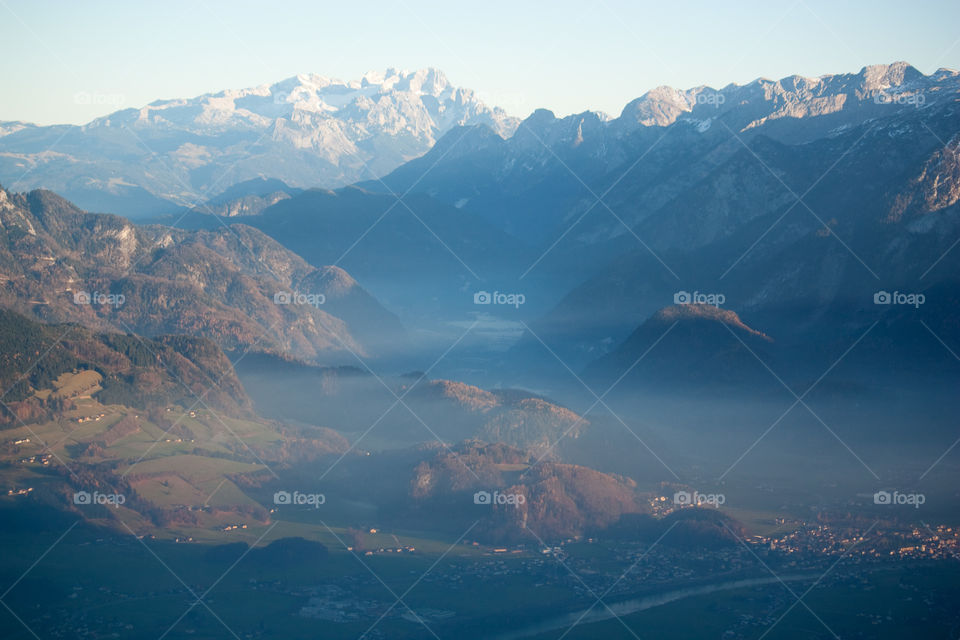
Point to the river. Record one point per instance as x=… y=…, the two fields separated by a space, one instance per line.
x=626 y=607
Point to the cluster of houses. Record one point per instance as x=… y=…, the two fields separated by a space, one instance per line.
x=402 y=549
x=192 y=414
x=40 y=458
x=96 y=418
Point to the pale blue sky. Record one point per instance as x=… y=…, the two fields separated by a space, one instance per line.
x=565 y=56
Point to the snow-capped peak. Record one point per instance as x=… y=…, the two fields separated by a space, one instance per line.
x=330 y=131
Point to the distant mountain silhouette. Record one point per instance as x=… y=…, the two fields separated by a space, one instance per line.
x=693 y=345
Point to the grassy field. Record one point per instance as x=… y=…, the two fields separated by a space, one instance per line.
x=77 y=384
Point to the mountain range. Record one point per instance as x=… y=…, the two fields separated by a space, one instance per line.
x=746 y=191
x=233 y=284
x=743 y=192
x=720 y=246
x=308 y=130
x=536 y=183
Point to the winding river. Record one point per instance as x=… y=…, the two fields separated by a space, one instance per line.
x=626 y=607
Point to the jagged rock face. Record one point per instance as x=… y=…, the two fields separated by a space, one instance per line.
x=763 y=101
x=219 y=284
x=309 y=130
x=249 y=205
x=934 y=188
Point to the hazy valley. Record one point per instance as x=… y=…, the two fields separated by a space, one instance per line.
x=590 y=375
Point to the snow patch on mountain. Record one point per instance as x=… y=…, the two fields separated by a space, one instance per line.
x=308 y=130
